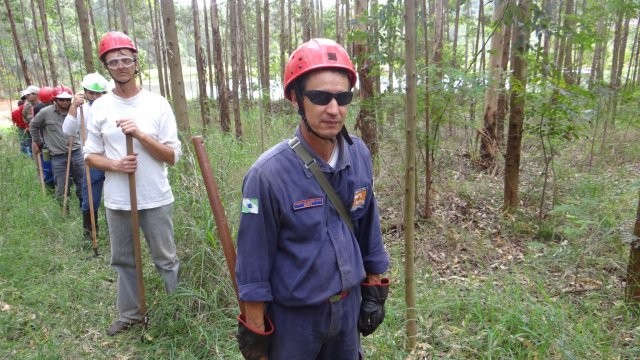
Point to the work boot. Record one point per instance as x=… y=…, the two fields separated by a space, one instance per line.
x=119 y=326
x=86 y=225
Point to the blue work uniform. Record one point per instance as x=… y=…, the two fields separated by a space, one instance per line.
x=295 y=253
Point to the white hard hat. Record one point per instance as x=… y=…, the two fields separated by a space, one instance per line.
x=95 y=82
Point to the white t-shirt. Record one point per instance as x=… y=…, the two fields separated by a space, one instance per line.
x=153 y=116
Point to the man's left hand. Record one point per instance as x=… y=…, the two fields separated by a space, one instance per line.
x=372 y=307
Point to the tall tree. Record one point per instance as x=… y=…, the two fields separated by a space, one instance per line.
x=16 y=42
x=155 y=27
x=65 y=47
x=235 y=83
x=208 y=47
x=175 y=64
x=47 y=38
x=411 y=315
x=519 y=45
x=305 y=20
x=366 y=120
x=122 y=11
x=489 y=142
x=221 y=83
x=85 y=35
x=200 y=66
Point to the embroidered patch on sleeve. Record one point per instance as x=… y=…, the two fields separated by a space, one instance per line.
x=359 y=197
x=308 y=203
x=250 y=206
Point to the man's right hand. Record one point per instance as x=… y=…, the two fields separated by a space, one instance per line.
x=254 y=344
x=35 y=148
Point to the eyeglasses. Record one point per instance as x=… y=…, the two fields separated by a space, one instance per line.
x=320 y=97
x=125 y=61
x=63 y=99
x=94 y=93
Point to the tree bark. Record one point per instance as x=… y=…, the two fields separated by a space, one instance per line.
x=366 y=120
x=47 y=38
x=489 y=143
x=221 y=83
x=235 y=43
x=85 y=35
x=16 y=41
x=122 y=9
x=411 y=315
x=305 y=20
x=177 y=85
x=65 y=47
x=200 y=66
x=518 y=83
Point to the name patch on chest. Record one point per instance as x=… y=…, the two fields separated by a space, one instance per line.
x=307 y=203
x=359 y=197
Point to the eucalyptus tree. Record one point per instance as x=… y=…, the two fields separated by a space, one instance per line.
x=17 y=42
x=47 y=38
x=518 y=89
x=200 y=66
x=175 y=64
x=411 y=314
x=221 y=83
x=85 y=35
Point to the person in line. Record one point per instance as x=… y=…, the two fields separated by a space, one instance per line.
x=309 y=283
x=21 y=126
x=45 y=98
x=30 y=97
x=94 y=85
x=46 y=127
x=149 y=119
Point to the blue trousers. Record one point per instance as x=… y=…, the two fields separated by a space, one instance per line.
x=47 y=171
x=97 y=182
x=25 y=142
x=324 y=332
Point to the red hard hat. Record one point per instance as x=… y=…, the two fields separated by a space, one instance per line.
x=317 y=54
x=115 y=40
x=62 y=92
x=46 y=94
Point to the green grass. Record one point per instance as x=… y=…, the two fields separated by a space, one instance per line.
x=489 y=286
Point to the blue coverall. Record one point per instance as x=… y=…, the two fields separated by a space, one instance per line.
x=295 y=253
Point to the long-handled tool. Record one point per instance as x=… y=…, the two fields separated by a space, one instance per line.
x=66 y=177
x=87 y=179
x=142 y=303
x=215 y=202
x=40 y=171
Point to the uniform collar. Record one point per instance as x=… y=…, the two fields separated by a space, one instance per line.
x=344 y=157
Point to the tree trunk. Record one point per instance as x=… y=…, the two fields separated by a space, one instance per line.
x=85 y=35
x=122 y=9
x=305 y=20
x=632 y=288
x=156 y=45
x=428 y=145
x=518 y=83
x=283 y=40
x=200 y=66
x=47 y=38
x=64 y=47
x=177 y=85
x=92 y=21
x=16 y=41
x=208 y=41
x=264 y=77
x=503 y=93
x=569 y=25
x=366 y=120
x=266 y=51
x=235 y=43
x=165 y=50
x=489 y=143
x=30 y=46
x=411 y=315
x=221 y=84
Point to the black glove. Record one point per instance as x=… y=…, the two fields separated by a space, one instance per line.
x=372 y=307
x=253 y=344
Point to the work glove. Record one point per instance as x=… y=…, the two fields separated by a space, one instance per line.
x=372 y=307
x=254 y=345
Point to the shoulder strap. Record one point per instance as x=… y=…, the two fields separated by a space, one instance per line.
x=311 y=164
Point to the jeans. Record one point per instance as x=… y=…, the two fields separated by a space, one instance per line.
x=97 y=182
x=25 y=142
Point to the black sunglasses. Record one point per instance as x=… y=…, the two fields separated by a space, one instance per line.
x=320 y=97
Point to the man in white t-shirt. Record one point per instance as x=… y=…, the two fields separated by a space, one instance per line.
x=149 y=119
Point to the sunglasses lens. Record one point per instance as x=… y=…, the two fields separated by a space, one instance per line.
x=319 y=97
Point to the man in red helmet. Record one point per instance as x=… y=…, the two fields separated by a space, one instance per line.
x=149 y=119
x=310 y=276
x=30 y=97
x=46 y=127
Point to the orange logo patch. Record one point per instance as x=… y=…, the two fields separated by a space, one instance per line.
x=359 y=197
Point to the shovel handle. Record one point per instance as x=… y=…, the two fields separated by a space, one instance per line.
x=222 y=225
x=142 y=303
